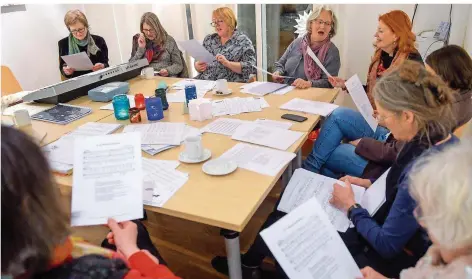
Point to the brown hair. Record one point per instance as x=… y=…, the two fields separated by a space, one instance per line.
x=400 y=24
x=33 y=220
x=454 y=65
x=228 y=16
x=152 y=20
x=75 y=16
x=411 y=88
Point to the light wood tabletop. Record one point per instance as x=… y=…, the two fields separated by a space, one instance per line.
x=226 y=202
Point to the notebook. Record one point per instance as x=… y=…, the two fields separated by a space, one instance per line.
x=62 y=114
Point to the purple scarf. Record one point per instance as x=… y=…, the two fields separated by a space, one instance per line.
x=312 y=71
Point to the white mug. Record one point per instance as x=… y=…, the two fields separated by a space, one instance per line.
x=222 y=86
x=148 y=72
x=22 y=118
x=193 y=147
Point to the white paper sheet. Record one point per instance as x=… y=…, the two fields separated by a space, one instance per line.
x=164 y=183
x=223 y=126
x=247 y=89
x=359 y=96
x=79 y=61
x=110 y=105
x=305 y=184
x=262 y=102
x=165 y=133
x=95 y=129
x=307 y=106
x=179 y=96
x=266 y=135
x=150 y=164
x=374 y=196
x=307 y=246
x=107 y=181
x=284 y=90
x=235 y=106
x=317 y=61
x=201 y=85
x=258 y=159
x=269 y=73
x=197 y=51
x=274 y=123
x=153 y=149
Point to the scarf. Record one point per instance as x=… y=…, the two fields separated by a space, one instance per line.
x=74 y=44
x=312 y=70
x=377 y=70
x=153 y=51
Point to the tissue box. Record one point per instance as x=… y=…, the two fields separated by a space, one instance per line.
x=106 y=92
x=200 y=109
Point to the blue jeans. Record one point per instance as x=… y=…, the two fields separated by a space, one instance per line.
x=332 y=158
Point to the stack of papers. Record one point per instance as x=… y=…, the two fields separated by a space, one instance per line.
x=307 y=106
x=153 y=149
x=261 y=88
x=163 y=133
x=258 y=159
x=201 y=85
x=235 y=106
x=223 y=126
x=274 y=123
x=266 y=135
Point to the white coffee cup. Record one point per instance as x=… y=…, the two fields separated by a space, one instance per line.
x=222 y=86
x=148 y=72
x=22 y=118
x=193 y=147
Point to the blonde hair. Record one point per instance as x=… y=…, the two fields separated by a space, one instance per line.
x=75 y=16
x=316 y=13
x=228 y=16
x=411 y=88
x=152 y=20
x=441 y=184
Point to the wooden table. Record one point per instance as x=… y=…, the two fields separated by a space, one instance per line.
x=226 y=202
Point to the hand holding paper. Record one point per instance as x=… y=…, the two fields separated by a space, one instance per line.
x=79 y=61
x=318 y=62
x=197 y=51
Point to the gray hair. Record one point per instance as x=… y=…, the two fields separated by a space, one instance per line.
x=441 y=184
x=316 y=13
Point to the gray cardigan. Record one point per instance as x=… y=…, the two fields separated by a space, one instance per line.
x=292 y=64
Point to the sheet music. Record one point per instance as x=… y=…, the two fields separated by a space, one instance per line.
x=153 y=149
x=197 y=51
x=107 y=181
x=305 y=184
x=150 y=164
x=359 y=96
x=235 y=106
x=223 y=126
x=307 y=106
x=95 y=129
x=163 y=183
x=258 y=159
x=166 y=133
x=201 y=85
x=247 y=89
x=307 y=246
x=374 y=196
x=266 y=135
x=78 y=61
x=317 y=61
x=274 y=123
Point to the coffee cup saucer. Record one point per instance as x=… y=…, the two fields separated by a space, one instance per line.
x=183 y=157
x=218 y=93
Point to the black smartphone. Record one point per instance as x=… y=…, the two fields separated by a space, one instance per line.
x=294 y=117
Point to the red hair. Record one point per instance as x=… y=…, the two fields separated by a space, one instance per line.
x=400 y=24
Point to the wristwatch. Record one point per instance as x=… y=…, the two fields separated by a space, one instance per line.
x=356 y=205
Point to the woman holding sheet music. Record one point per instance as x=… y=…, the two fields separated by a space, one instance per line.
x=395 y=43
x=296 y=62
x=35 y=229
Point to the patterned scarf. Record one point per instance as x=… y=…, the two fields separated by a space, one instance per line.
x=74 y=44
x=312 y=70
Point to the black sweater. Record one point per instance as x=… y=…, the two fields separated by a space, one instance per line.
x=100 y=57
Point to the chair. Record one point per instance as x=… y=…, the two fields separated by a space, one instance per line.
x=10 y=84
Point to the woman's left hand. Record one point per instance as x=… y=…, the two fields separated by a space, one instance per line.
x=301 y=83
x=98 y=66
x=222 y=59
x=163 y=72
x=343 y=197
x=369 y=273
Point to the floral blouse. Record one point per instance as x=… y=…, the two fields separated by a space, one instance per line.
x=238 y=48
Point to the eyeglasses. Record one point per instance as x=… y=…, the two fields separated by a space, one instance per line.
x=80 y=30
x=150 y=31
x=216 y=23
x=321 y=22
x=380 y=118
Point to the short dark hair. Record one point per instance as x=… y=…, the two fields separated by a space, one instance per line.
x=33 y=220
x=454 y=66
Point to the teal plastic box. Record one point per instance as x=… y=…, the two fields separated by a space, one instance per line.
x=106 y=92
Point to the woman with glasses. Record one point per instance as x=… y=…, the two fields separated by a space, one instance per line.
x=80 y=40
x=158 y=47
x=234 y=52
x=297 y=63
x=395 y=43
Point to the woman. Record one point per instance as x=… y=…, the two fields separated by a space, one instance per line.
x=158 y=47
x=35 y=232
x=80 y=40
x=415 y=105
x=234 y=52
x=395 y=43
x=445 y=214
x=454 y=65
x=296 y=62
